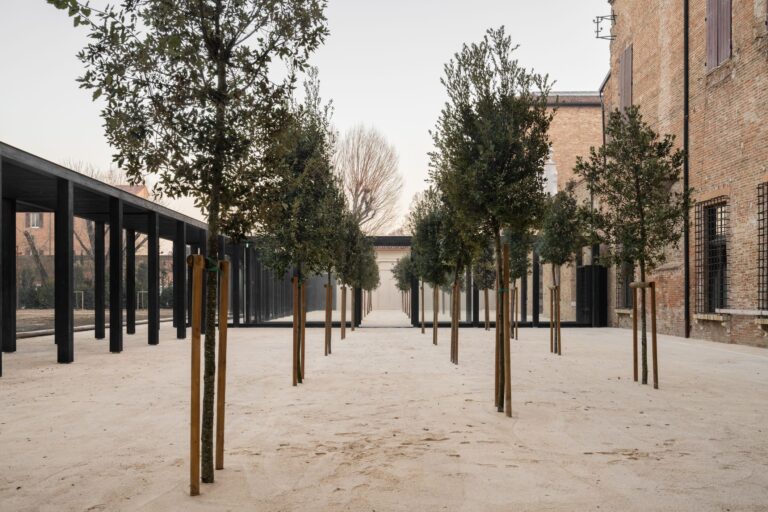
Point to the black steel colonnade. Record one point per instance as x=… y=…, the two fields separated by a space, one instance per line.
x=32 y=184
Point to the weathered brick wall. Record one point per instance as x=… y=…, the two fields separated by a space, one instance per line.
x=728 y=138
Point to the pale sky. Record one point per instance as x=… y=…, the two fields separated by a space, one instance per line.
x=381 y=66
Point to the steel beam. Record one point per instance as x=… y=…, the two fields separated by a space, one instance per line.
x=153 y=278
x=64 y=272
x=8 y=333
x=115 y=278
x=179 y=279
x=130 y=281
x=99 y=275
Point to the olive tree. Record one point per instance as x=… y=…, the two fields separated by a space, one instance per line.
x=190 y=97
x=560 y=236
x=491 y=145
x=640 y=212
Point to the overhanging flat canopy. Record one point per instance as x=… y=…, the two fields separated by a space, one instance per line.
x=31 y=181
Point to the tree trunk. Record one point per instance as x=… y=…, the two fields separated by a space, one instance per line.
x=553 y=313
x=644 y=328
x=500 y=316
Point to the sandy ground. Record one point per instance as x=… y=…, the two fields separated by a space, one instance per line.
x=388 y=424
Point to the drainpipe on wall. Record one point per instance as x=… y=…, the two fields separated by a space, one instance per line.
x=686 y=147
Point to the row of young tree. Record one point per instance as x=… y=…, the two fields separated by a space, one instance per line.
x=486 y=207
x=194 y=98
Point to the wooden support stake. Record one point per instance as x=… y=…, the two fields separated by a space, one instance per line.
x=221 y=377
x=295 y=285
x=507 y=362
x=328 y=298
x=634 y=331
x=559 y=332
x=303 y=330
x=196 y=262
x=434 y=315
x=551 y=320
x=343 y=312
x=653 y=337
x=422 y=307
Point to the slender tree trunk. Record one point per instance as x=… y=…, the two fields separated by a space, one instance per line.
x=644 y=328
x=499 y=322
x=487 y=312
x=553 y=313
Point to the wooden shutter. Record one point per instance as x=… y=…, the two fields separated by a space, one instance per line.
x=625 y=78
x=723 y=31
x=712 y=11
x=26 y=220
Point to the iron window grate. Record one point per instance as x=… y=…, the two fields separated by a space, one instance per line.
x=625 y=274
x=712 y=233
x=762 y=246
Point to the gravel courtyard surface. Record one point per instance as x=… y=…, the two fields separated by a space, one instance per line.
x=387 y=423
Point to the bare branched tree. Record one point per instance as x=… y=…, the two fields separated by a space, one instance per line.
x=368 y=167
x=111 y=176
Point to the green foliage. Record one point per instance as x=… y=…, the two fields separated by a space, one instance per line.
x=491 y=137
x=355 y=255
x=562 y=229
x=403 y=271
x=520 y=247
x=189 y=95
x=301 y=230
x=640 y=213
x=484 y=269
x=427 y=226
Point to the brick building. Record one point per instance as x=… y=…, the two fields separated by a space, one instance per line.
x=36 y=228
x=727 y=261
x=576 y=126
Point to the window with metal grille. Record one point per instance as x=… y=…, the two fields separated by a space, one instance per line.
x=762 y=246
x=712 y=255
x=625 y=274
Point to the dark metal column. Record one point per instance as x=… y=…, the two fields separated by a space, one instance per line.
x=524 y=298
x=64 y=273
x=115 y=281
x=179 y=279
x=8 y=315
x=415 y=305
x=99 y=274
x=3 y=228
x=467 y=291
x=194 y=249
x=153 y=278
x=475 y=306
x=204 y=253
x=130 y=281
x=248 y=292
x=237 y=251
x=358 y=309
x=536 y=288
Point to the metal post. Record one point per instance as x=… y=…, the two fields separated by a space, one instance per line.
x=237 y=251
x=64 y=272
x=115 y=280
x=524 y=298
x=179 y=279
x=99 y=274
x=130 y=281
x=153 y=278
x=8 y=314
x=3 y=229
